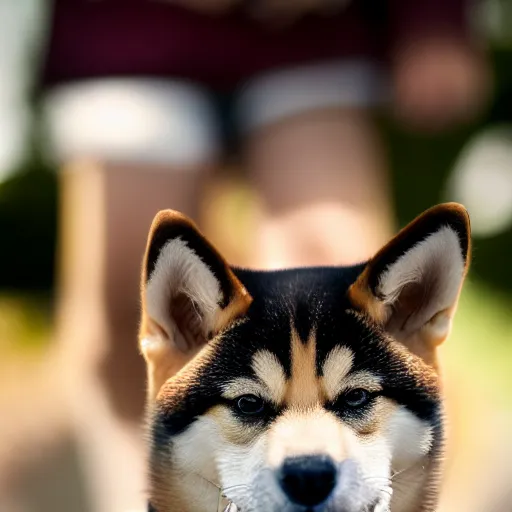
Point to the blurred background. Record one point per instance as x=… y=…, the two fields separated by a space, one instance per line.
x=294 y=133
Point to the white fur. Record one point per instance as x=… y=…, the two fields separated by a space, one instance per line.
x=410 y=440
x=246 y=472
x=179 y=270
x=409 y=437
x=193 y=454
x=438 y=254
x=303 y=432
x=203 y=454
x=239 y=466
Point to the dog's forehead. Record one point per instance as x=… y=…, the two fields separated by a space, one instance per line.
x=301 y=314
x=302 y=322
x=300 y=338
x=295 y=345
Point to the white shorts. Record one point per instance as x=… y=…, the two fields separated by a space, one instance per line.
x=158 y=121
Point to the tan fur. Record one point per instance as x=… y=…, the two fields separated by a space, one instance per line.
x=247 y=386
x=269 y=371
x=238 y=305
x=303 y=388
x=171 y=391
x=232 y=430
x=163 y=360
x=335 y=376
x=170 y=492
x=383 y=410
x=362 y=298
x=301 y=432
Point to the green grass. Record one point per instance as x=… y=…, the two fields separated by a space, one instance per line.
x=481 y=342
x=26 y=322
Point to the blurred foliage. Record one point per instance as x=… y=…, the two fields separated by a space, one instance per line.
x=421 y=165
x=481 y=338
x=495 y=17
x=28 y=220
x=25 y=321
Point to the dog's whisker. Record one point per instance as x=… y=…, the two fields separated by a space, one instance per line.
x=384 y=478
x=207 y=480
x=386 y=490
x=397 y=473
x=232 y=487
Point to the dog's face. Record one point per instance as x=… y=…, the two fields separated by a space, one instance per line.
x=298 y=390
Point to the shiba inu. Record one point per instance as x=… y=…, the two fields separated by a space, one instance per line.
x=299 y=390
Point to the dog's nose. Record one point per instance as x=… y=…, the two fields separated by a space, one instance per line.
x=308 y=480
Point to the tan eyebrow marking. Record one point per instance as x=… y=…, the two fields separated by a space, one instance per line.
x=336 y=367
x=362 y=379
x=337 y=377
x=245 y=386
x=271 y=373
x=270 y=381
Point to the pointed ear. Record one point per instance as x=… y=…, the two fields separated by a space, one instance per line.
x=412 y=285
x=189 y=295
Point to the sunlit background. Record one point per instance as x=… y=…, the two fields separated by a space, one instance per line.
x=40 y=465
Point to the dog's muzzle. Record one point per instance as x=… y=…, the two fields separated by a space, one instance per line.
x=308 y=480
x=314 y=483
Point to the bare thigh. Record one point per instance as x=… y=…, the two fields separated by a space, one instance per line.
x=323 y=181
x=130 y=148
x=105 y=217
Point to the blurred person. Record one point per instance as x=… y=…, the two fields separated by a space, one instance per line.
x=140 y=99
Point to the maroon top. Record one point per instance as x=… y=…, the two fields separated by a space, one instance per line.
x=98 y=38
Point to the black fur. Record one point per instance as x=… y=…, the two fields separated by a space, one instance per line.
x=308 y=298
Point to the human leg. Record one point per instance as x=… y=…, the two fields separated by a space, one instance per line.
x=114 y=179
x=319 y=166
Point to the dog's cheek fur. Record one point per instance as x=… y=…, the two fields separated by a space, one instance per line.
x=410 y=441
x=240 y=451
x=192 y=455
x=240 y=468
x=393 y=441
x=232 y=430
x=223 y=450
x=366 y=445
x=410 y=438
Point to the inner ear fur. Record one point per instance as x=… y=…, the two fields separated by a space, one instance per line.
x=189 y=294
x=412 y=285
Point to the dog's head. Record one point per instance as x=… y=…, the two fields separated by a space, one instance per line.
x=301 y=390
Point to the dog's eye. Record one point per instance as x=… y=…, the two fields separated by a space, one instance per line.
x=357 y=397
x=250 y=405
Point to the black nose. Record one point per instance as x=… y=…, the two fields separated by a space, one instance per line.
x=308 y=480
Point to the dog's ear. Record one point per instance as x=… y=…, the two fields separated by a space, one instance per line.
x=189 y=295
x=412 y=285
